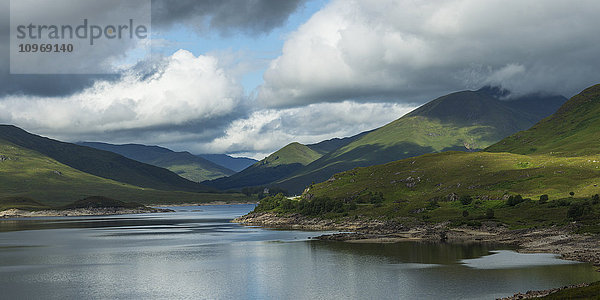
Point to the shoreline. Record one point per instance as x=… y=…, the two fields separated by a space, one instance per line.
x=77 y=212
x=557 y=240
x=200 y=204
x=15 y=213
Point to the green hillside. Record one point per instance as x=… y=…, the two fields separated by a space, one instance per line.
x=100 y=163
x=275 y=166
x=184 y=164
x=29 y=179
x=430 y=188
x=465 y=121
x=573 y=130
x=470 y=187
x=294 y=153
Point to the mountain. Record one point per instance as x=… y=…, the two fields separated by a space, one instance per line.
x=275 y=166
x=30 y=180
x=465 y=121
x=571 y=131
x=101 y=163
x=236 y=164
x=555 y=184
x=280 y=164
x=184 y=164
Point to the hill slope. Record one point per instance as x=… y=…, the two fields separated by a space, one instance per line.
x=281 y=164
x=571 y=131
x=277 y=165
x=236 y=164
x=27 y=176
x=469 y=187
x=468 y=121
x=100 y=163
x=183 y=164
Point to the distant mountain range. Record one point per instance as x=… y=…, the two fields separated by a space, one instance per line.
x=233 y=163
x=467 y=121
x=281 y=164
x=185 y=164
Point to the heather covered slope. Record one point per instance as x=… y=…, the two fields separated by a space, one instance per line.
x=184 y=164
x=100 y=163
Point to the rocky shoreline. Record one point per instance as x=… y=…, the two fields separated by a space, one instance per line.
x=557 y=240
x=19 y=213
x=542 y=293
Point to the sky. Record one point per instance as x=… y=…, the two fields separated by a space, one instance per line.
x=248 y=77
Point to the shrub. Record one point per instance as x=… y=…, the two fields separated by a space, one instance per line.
x=270 y=203
x=323 y=205
x=287 y=204
x=465 y=213
x=578 y=210
x=489 y=213
x=572 y=194
x=596 y=199
x=377 y=198
x=514 y=200
x=543 y=199
x=466 y=200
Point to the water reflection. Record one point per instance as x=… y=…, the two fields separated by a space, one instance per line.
x=199 y=254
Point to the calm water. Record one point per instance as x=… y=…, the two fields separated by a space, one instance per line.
x=196 y=253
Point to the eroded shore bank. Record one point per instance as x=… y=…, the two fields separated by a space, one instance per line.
x=557 y=240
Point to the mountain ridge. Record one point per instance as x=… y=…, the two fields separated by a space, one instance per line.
x=452 y=122
x=100 y=163
x=183 y=163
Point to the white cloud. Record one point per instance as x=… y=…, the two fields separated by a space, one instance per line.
x=265 y=131
x=186 y=89
x=417 y=50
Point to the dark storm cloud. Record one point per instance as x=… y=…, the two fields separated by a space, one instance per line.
x=225 y=16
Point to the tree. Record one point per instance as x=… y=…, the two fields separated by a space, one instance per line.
x=465 y=213
x=596 y=199
x=572 y=194
x=543 y=199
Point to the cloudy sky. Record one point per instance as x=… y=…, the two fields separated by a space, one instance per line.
x=248 y=77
